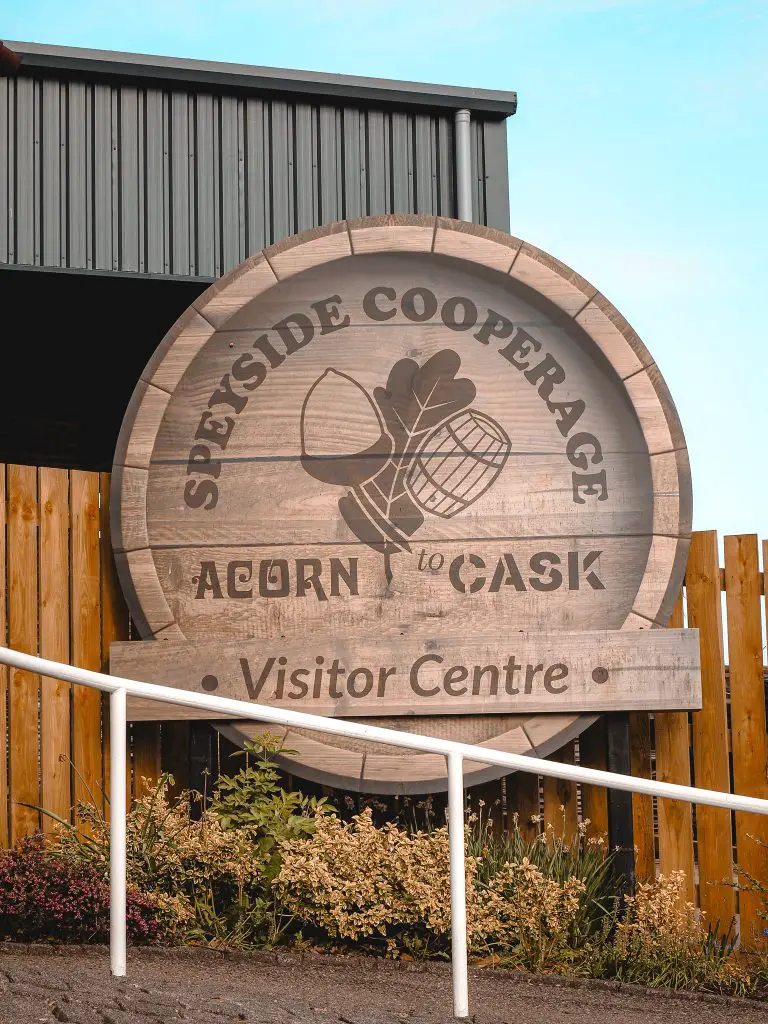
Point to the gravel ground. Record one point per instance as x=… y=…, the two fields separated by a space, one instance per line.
x=38 y=984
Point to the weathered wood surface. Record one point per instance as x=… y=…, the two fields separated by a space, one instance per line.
x=23 y=636
x=748 y=733
x=673 y=764
x=86 y=633
x=710 y=731
x=527 y=673
x=398 y=421
x=54 y=642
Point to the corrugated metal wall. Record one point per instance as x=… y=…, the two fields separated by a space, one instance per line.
x=173 y=181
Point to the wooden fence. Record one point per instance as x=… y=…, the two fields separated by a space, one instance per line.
x=61 y=600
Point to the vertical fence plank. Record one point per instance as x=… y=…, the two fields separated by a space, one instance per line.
x=673 y=765
x=594 y=799
x=53 y=490
x=523 y=801
x=642 y=806
x=23 y=635
x=748 y=738
x=561 y=793
x=4 y=823
x=86 y=633
x=114 y=620
x=710 y=731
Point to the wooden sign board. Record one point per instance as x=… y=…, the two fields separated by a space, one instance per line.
x=523 y=673
x=396 y=430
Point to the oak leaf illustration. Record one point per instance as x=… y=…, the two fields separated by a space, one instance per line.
x=416 y=400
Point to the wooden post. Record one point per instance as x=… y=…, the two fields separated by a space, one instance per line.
x=621 y=839
x=146 y=756
x=710 y=732
x=23 y=635
x=748 y=736
x=642 y=806
x=86 y=634
x=523 y=801
x=55 y=769
x=673 y=765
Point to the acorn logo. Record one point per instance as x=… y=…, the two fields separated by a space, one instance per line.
x=415 y=447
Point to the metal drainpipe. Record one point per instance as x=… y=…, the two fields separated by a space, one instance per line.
x=463 y=166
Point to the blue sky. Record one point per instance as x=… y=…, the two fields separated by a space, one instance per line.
x=638 y=156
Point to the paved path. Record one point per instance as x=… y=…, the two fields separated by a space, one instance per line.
x=206 y=987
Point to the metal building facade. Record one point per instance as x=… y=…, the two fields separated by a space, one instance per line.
x=178 y=169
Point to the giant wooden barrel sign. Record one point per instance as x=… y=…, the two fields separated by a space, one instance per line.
x=405 y=469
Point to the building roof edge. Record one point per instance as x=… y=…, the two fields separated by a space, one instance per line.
x=381 y=91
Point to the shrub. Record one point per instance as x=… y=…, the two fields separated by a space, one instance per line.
x=558 y=859
x=355 y=881
x=529 y=918
x=255 y=800
x=662 y=942
x=45 y=897
x=258 y=863
x=216 y=868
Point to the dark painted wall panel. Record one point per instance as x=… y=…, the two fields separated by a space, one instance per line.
x=127 y=177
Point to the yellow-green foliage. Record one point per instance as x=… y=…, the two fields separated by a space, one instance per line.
x=662 y=941
x=530 y=916
x=209 y=879
x=168 y=850
x=657 y=918
x=355 y=880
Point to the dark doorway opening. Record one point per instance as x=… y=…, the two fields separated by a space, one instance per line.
x=74 y=346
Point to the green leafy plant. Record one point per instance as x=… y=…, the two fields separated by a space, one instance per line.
x=254 y=799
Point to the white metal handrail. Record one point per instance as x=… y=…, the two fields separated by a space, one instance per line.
x=455 y=753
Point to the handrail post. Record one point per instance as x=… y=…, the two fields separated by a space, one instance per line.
x=458 y=884
x=117 y=838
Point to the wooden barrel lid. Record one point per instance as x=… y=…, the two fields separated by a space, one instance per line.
x=459 y=413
